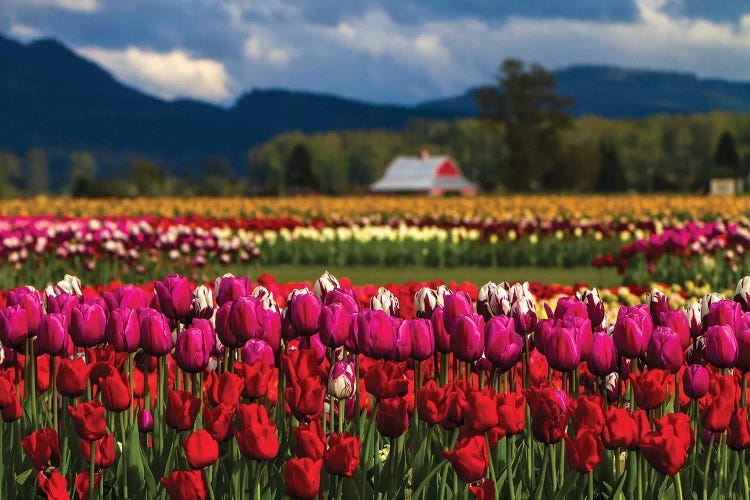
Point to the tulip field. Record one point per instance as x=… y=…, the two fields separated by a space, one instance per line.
x=133 y=365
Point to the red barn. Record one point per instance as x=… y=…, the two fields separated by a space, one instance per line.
x=424 y=174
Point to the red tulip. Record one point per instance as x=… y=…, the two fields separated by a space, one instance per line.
x=104 y=451
x=511 y=413
x=218 y=421
x=664 y=452
x=256 y=436
x=83 y=483
x=88 y=420
x=53 y=485
x=585 y=452
x=480 y=412
x=182 y=408
x=470 y=458
x=305 y=398
x=587 y=412
x=201 y=449
x=677 y=425
x=623 y=429
x=72 y=377
x=185 y=485
x=256 y=377
x=309 y=441
x=42 y=448
x=115 y=393
x=227 y=389
x=392 y=419
x=430 y=402
x=649 y=388
x=342 y=456
x=485 y=491
x=386 y=380
x=302 y=477
x=738 y=435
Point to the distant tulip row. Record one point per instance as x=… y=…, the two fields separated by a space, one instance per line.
x=224 y=391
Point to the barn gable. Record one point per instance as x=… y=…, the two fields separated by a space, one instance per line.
x=423 y=174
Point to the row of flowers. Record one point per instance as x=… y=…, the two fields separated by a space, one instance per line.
x=227 y=392
x=345 y=208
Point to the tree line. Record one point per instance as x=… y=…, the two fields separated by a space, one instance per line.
x=525 y=140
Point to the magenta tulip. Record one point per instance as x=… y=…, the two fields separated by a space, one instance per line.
x=88 y=325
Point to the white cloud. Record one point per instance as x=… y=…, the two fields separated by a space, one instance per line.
x=166 y=74
x=261 y=50
x=76 y=5
x=24 y=32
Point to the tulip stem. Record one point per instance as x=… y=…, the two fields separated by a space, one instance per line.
x=509 y=466
x=745 y=485
x=52 y=367
x=678 y=486
x=743 y=390
x=540 y=485
x=707 y=466
x=590 y=481
x=92 y=469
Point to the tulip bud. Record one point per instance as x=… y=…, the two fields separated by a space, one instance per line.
x=442 y=293
x=658 y=304
x=266 y=298
x=425 y=301
x=255 y=350
x=502 y=345
x=632 y=331
x=694 y=318
x=230 y=287
x=742 y=293
x=500 y=301
x=123 y=330
x=696 y=353
x=467 y=337
x=243 y=318
x=706 y=302
x=29 y=299
x=442 y=337
x=203 y=303
x=70 y=285
x=483 y=300
x=174 y=296
x=145 y=421
x=603 y=359
x=14 y=329
x=334 y=325
x=743 y=344
x=60 y=303
x=343 y=297
x=594 y=307
x=341 y=379
x=724 y=312
x=384 y=300
x=325 y=284
x=191 y=350
x=721 y=346
x=53 y=338
x=156 y=336
x=129 y=296
x=562 y=350
x=88 y=325
x=375 y=334
x=421 y=338
x=456 y=304
x=524 y=316
x=665 y=350
x=520 y=292
x=695 y=381
x=303 y=309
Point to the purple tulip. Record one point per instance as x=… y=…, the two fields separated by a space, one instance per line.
x=341 y=379
x=14 y=329
x=191 y=352
x=665 y=350
x=425 y=301
x=603 y=359
x=442 y=336
x=724 y=312
x=542 y=331
x=304 y=311
x=62 y=303
x=677 y=322
x=562 y=349
x=255 y=350
x=695 y=381
x=88 y=325
x=207 y=328
x=384 y=300
x=230 y=287
x=583 y=335
x=467 y=337
x=266 y=299
x=632 y=331
x=375 y=334
x=658 y=304
x=128 y=296
x=456 y=304
x=52 y=337
x=314 y=344
x=156 y=336
x=123 y=330
x=145 y=421
x=524 y=316
x=224 y=328
x=743 y=344
x=243 y=318
x=706 y=302
x=721 y=346
x=421 y=338
x=334 y=325
x=28 y=298
x=174 y=296
x=483 y=300
x=570 y=307
x=502 y=345
x=269 y=327
x=326 y=283
x=343 y=297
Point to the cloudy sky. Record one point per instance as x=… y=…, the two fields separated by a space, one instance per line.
x=401 y=51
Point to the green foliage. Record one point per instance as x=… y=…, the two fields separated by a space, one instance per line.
x=10 y=170
x=36 y=172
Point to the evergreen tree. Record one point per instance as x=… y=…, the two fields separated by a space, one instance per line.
x=726 y=159
x=298 y=170
x=611 y=177
x=36 y=172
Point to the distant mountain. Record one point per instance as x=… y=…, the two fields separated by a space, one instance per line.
x=52 y=98
x=627 y=93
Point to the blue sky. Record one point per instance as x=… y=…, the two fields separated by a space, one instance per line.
x=400 y=51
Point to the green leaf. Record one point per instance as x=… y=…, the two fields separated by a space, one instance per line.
x=136 y=474
x=618 y=487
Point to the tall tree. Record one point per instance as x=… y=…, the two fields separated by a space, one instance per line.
x=82 y=174
x=526 y=103
x=36 y=171
x=611 y=177
x=298 y=171
x=10 y=169
x=726 y=159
